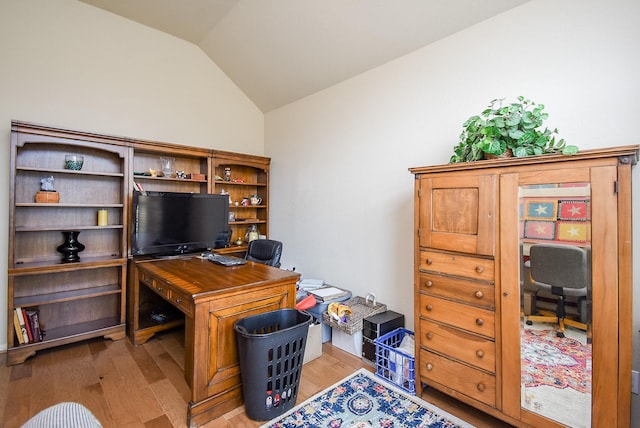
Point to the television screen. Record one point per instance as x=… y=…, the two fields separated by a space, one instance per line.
x=166 y=223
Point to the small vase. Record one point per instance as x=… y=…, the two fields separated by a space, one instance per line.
x=70 y=247
x=166 y=165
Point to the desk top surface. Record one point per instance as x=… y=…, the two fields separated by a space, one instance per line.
x=201 y=277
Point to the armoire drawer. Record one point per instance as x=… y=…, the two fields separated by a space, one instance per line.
x=472 y=382
x=472 y=292
x=455 y=264
x=465 y=317
x=469 y=348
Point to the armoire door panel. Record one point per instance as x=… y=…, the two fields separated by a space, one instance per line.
x=458 y=213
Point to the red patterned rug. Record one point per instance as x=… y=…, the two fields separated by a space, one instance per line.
x=559 y=362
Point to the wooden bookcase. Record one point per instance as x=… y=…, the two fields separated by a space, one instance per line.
x=247 y=175
x=194 y=162
x=77 y=300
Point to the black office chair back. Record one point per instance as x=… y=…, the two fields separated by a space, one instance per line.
x=265 y=251
x=564 y=266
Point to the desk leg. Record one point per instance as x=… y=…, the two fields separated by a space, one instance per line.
x=190 y=366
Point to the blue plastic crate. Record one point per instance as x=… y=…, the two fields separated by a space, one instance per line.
x=394 y=365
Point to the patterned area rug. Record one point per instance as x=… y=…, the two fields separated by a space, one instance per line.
x=556 y=375
x=363 y=400
x=558 y=362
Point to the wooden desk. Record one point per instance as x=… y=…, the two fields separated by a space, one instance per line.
x=212 y=298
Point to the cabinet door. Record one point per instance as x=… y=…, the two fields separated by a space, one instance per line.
x=223 y=367
x=457 y=213
x=602 y=231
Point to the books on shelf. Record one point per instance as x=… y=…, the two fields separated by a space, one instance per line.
x=21 y=329
x=18 y=327
x=27 y=326
x=34 y=322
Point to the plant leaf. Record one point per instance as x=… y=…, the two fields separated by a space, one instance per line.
x=516 y=134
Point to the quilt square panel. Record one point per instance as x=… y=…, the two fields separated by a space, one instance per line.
x=539 y=229
x=541 y=209
x=575 y=231
x=574 y=210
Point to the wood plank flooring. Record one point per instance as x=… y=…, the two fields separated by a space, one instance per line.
x=144 y=386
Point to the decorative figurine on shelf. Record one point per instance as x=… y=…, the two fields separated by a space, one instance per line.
x=46 y=184
x=181 y=174
x=252 y=233
x=227 y=174
x=47 y=193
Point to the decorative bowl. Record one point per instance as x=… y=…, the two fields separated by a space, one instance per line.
x=73 y=162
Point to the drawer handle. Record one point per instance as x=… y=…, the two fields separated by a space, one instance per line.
x=429 y=283
x=429 y=261
x=178 y=300
x=479 y=321
x=480 y=387
x=429 y=308
x=479 y=353
x=479 y=269
x=429 y=336
x=160 y=288
x=429 y=366
x=479 y=294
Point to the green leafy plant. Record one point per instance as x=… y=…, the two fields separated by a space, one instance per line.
x=515 y=127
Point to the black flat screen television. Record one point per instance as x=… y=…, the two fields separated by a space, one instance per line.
x=172 y=223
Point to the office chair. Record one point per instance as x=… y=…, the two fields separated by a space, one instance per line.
x=265 y=251
x=564 y=270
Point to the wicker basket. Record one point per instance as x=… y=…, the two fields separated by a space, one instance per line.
x=361 y=308
x=47 y=197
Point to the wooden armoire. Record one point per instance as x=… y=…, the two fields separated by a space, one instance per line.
x=469 y=230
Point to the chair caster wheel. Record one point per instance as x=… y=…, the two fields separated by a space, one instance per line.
x=529 y=322
x=560 y=334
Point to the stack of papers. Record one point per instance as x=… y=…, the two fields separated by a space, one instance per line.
x=324 y=294
x=310 y=284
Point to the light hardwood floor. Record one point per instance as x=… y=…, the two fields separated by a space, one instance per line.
x=144 y=386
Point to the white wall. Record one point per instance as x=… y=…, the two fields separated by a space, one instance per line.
x=342 y=198
x=67 y=64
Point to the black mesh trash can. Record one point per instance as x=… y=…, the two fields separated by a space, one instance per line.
x=271 y=349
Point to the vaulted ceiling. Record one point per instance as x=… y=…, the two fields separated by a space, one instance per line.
x=278 y=51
